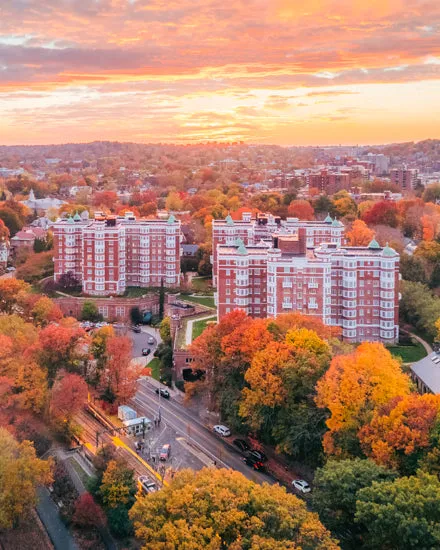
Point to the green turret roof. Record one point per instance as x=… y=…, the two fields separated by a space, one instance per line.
x=229 y=220
x=388 y=251
x=171 y=219
x=242 y=249
x=70 y=219
x=76 y=217
x=374 y=244
x=328 y=219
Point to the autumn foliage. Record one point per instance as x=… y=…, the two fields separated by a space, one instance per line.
x=360 y=234
x=353 y=388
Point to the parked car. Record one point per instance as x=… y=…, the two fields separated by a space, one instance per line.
x=146 y=351
x=147 y=485
x=165 y=452
x=241 y=445
x=163 y=393
x=10 y=269
x=224 y=431
x=259 y=455
x=301 y=485
x=151 y=340
x=137 y=329
x=254 y=463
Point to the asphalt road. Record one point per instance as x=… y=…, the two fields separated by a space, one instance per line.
x=140 y=340
x=183 y=422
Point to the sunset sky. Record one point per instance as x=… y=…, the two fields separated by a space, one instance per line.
x=286 y=72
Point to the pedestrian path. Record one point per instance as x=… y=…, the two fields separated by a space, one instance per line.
x=189 y=327
x=48 y=513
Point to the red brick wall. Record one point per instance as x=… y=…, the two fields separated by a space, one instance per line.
x=117 y=309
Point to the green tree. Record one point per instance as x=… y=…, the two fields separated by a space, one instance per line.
x=20 y=474
x=401 y=515
x=161 y=299
x=165 y=330
x=90 y=312
x=117 y=492
x=11 y=219
x=222 y=509
x=136 y=315
x=335 y=491
x=411 y=269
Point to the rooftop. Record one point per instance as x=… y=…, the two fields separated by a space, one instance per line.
x=428 y=371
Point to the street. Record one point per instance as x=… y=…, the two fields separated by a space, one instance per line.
x=191 y=433
x=140 y=340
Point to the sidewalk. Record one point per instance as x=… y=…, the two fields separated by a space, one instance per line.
x=48 y=513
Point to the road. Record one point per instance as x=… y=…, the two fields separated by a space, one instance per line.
x=185 y=423
x=140 y=341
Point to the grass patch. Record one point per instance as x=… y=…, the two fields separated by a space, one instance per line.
x=408 y=354
x=154 y=365
x=207 y=301
x=202 y=284
x=199 y=326
x=84 y=477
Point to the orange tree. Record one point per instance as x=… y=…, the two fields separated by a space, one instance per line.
x=352 y=389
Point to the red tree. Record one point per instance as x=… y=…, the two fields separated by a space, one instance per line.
x=119 y=378
x=87 y=512
x=301 y=209
x=68 y=395
x=382 y=213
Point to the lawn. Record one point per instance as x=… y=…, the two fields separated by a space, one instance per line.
x=199 y=326
x=207 y=301
x=201 y=284
x=408 y=354
x=82 y=474
x=154 y=365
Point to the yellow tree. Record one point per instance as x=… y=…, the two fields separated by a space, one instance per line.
x=352 y=389
x=360 y=234
x=20 y=474
x=219 y=509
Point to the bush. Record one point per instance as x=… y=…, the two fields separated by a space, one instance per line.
x=180 y=385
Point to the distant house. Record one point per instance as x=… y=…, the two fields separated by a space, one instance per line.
x=189 y=250
x=426 y=373
x=41 y=204
x=4 y=254
x=26 y=237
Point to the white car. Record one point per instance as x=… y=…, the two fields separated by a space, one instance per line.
x=151 y=340
x=147 y=485
x=224 y=431
x=301 y=485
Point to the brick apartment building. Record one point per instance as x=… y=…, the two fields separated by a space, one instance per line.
x=355 y=288
x=109 y=253
x=405 y=178
x=263 y=227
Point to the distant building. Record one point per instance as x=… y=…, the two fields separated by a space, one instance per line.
x=355 y=288
x=189 y=250
x=4 y=254
x=108 y=254
x=404 y=178
x=26 y=237
x=42 y=204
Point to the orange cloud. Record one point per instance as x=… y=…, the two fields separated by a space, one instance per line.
x=176 y=70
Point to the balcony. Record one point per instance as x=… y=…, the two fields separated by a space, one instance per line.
x=313 y=285
x=387 y=305
x=287 y=305
x=312 y=305
x=287 y=285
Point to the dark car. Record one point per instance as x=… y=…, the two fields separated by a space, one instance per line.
x=163 y=393
x=258 y=455
x=254 y=463
x=146 y=351
x=137 y=329
x=241 y=445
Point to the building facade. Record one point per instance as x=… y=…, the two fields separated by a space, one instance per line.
x=110 y=253
x=405 y=178
x=354 y=288
x=262 y=228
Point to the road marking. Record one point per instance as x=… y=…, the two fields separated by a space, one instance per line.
x=119 y=443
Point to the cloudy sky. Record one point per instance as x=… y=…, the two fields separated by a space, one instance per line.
x=290 y=72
